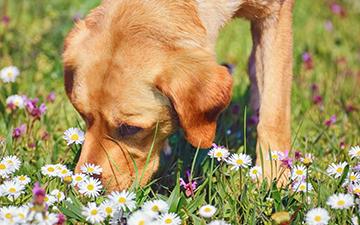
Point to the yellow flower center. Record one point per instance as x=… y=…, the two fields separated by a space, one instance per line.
x=155 y=208
x=299 y=172
x=141 y=222
x=90 y=187
x=21 y=215
x=254 y=171
x=64 y=171
x=10 y=162
x=341 y=202
x=90 y=169
x=2 y=166
x=74 y=137
x=16 y=102
x=352 y=178
x=59 y=195
x=306 y=161
x=10 y=74
x=358 y=153
x=339 y=170
x=12 y=190
x=168 y=221
x=302 y=187
x=46 y=199
x=317 y=218
x=22 y=178
x=108 y=210
x=51 y=169
x=94 y=212
x=275 y=157
x=219 y=154
x=122 y=200
x=357 y=190
x=8 y=216
x=239 y=162
x=207 y=209
x=78 y=178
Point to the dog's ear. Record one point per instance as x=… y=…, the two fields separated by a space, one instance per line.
x=199 y=92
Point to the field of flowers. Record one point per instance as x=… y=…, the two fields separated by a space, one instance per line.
x=41 y=134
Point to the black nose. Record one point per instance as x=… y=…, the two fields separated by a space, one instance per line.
x=230 y=67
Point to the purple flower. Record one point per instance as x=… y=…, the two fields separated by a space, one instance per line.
x=298 y=155
x=330 y=121
x=317 y=99
x=5 y=20
x=342 y=145
x=329 y=26
x=61 y=219
x=337 y=9
x=254 y=119
x=51 y=97
x=33 y=109
x=350 y=108
x=286 y=161
x=357 y=167
x=308 y=61
x=38 y=194
x=190 y=186
x=314 y=88
x=19 y=131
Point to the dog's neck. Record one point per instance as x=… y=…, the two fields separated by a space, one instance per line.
x=215 y=13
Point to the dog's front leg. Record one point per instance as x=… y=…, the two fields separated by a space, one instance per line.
x=272 y=37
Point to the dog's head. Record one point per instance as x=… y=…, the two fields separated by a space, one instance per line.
x=136 y=71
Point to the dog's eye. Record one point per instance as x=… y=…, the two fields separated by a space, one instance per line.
x=127 y=130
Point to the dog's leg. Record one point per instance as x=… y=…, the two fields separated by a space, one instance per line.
x=272 y=37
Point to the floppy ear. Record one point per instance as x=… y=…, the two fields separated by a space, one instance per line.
x=199 y=93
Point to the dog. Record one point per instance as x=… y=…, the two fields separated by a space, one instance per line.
x=138 y=70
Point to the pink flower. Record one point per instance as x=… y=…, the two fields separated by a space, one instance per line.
x=33 y=109
x=329 y=26
x=38 y=194
x=308 y=61
x=190 y=186
x=61 y=219
x=337 y=9
x=330 y=121
x=286 y=161
x=51 y=97
x=19 y=131
x=317 y=99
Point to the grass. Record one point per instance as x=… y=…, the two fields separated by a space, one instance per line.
x=33 y=39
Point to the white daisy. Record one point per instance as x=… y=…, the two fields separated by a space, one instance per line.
x=154 y=207
x=276 y=155
x=8 y=215
x=90 y=188
x=317 y=216
x=207 y=211
x=91 y=169
x=93 y=214
x=5 y=169
x=353 y=177
x=355 y=152
x=354 y=220
x=218 y=222
x=50 y=200
x=255 y=172
x=15 y=101
x=78 y=178
x=336 y=169
x=340 y=201
x=22 y=179
x=49 y=170
x=139 y=218
x=302 y=186
x=108 y=208
x=21 y=214
x=307 y=159
x=123 y=199
x=169 y=219
x=218 y=152
x=298 y=173
x=9 y=74
x=355 y=189
x=12 y=189
x=74 y=135
x=13 y=162
x=59 y=195
x=239 y=161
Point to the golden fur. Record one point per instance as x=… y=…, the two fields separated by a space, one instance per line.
x=151 y=64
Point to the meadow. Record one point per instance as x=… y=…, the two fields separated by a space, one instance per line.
x=193 y=186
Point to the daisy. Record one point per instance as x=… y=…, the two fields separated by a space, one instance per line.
x=355 y=189
x=91 y=169
x=90 y=188
x=5 y=169
x=139 y=218
x=78 y=178
x=207 y=211
x=336 y=169
x=276 y=155
x=93 y=214
x=12 y=189
x=8 y=214
x=255 y=172
x=355 y=152
x=13 y=162
x=59 y=195
x=108 y=208
x=302 y=186
x=50 y=200
x=317 y=216
x=64 y=172
x=298 y=172
x=340 y=201
x=353 y=177
x=169 y=219
x=9 y=74
x=308 y=159
x=15 y=101
x=219 y=152
x=49 y=170
x=21 y=214
x=239 y=161
x=74 y=135
x=354 y=220
x=154 y=207
x=218 y=222
x=22 y=179
x=123 y=199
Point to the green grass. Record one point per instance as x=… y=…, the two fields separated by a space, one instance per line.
x=33 y=41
